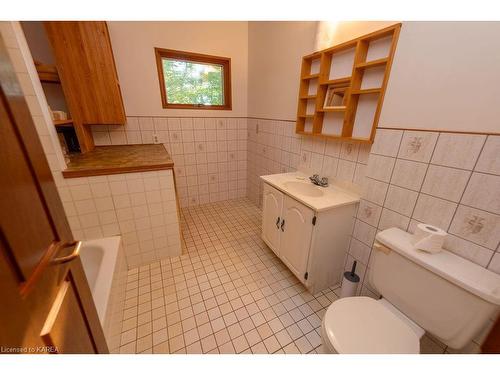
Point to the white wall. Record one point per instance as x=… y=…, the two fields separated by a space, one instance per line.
x=445 y=76
x=275 y=51
x=133 y=47
x=332 y=33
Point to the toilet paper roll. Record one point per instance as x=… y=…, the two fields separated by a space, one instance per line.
x=428 y=238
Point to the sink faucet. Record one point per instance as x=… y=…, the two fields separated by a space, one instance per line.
x=316 y=180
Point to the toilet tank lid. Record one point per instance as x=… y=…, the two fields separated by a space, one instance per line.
x=470 y=276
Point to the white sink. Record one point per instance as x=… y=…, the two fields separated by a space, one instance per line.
x=297 y=186
x=303 y=188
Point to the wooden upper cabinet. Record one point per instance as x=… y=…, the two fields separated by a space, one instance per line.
x=86 y=66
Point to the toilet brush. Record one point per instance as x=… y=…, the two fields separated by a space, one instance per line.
x=350 y=282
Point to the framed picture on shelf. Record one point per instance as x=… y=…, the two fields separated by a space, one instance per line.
x=336 y=97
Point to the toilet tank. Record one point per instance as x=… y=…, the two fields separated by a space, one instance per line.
x=443 y=293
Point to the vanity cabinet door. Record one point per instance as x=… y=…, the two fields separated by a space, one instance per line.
x=296 y=232
x=271 y=217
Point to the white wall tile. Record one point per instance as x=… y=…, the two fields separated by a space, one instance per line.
x=408 y=174
x=369 y=212
x=380 y=167
x=359 y=251
x=348 y=151
x=434 y=211
x=387 y=142
x=390 y=219
x=458 y=150
x=480 y=192
x=364 y=232
x=417 y=146
x=495 y=263
x=401 y=200
x=475 y=253
x=374 y=191
x=477 y=226
x=80 y=192
x=444 y=182
x=489 y=160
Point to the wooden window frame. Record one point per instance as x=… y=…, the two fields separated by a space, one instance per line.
x=162 y=53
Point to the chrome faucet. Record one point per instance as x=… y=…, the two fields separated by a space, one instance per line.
x=316 y=180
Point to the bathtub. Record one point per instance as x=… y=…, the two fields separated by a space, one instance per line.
x=106 y=270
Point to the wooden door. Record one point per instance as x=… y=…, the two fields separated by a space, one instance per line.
x=296 y=236
x=492 y=343
x=271 y=217
x=46 y=304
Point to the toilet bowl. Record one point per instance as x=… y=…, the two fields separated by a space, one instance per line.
x=363 y=325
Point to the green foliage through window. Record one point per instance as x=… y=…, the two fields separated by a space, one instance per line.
x=195 y=83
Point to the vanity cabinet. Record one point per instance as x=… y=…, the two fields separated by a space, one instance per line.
x=312 y=244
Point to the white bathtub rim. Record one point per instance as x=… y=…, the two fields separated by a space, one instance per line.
x=101 y=289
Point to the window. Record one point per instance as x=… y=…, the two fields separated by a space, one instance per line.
x=193 y=81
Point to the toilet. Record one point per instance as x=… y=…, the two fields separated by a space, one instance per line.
x=443 y=294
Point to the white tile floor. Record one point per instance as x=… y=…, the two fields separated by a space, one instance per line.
x=227 y=293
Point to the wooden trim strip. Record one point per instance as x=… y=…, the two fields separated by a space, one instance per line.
x=118 y=170
x=439 y=131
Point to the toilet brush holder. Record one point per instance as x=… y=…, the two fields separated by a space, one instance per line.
x=350 y=282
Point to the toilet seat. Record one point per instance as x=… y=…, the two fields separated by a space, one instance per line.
x=363 y=325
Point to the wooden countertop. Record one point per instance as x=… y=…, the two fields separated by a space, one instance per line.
x=104 y=160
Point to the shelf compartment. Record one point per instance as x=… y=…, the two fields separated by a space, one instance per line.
x=340 y=63
x=372 y=64
x=339 y=81
x=313 y=56
x=366 y=91
x=66 y=123
x=337 y=109
x=47 y=73
x=310 y=76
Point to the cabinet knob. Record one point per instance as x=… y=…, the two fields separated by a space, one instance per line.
x=283 y=225
x=278 y=222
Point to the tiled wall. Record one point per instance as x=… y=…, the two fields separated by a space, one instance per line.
x=449 y=180
x=210 y=154
x=139 y=206
x=273 y=147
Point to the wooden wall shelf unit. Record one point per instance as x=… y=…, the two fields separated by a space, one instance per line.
x=361 y=66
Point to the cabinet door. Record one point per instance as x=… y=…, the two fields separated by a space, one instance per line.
x=271 y=217
x=86 y=67
x=296 y=236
